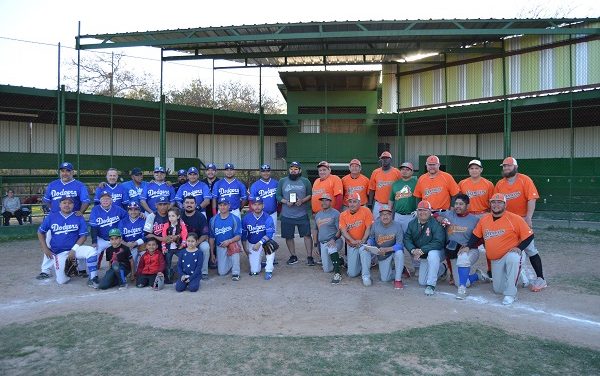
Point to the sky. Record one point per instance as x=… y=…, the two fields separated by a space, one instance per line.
x=31 y=29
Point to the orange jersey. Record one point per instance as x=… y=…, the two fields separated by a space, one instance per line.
x=503 y=234
x=518 y=193
x=479 y=194
x=332 y=186
x=356 y=224
x=436 y=190
x=381 y=182
x=359 y=185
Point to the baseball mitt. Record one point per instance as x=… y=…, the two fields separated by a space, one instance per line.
x=270 y=246
x=71 y=267
x=233 y=248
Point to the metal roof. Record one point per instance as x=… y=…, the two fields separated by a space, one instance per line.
x=345 y=42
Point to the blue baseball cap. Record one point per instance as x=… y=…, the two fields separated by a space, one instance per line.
x=162 y=200
x=136 y=171
x=265 y=167
x=133 y=205
x=159 y=169
x=256 y=199
x=229 y=166
x=105 y=193
x=181 y=172
x=66 y=197
x=192 y=170
x=295 y=164
x=223 y=200
x=211 y=166
x=66 y=166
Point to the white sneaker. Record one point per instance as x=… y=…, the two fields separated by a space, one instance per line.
x=538 y=284
x=367 y=281
x=508 y=300
x=524 y=281
x=483 y=276
x=462 y=293
x=337 y=278
x=429 y=291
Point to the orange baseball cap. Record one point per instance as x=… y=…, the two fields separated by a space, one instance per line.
x=424 y=205
x=433 y=159
x=498 y=197
x=510 y=161
x=354 y=161
x=385 y=207
x=354 y=196
x=385 y=154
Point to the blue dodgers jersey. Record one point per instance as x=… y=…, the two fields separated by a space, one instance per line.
x=118 y=194
x=131 y=231
x=154 y=190
x=200 y=191
x=224 y=229
x=266 y=190
x=134 y=193
x=64 y=230
x=234 y=191
x=106 y=220
x=254 y=229
x=75 y=189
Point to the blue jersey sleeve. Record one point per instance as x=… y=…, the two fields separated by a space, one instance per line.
x=93 y=217
x=211 y=228
x=243 y=189
x=179 y=195
x=172 y=194
x=206 y=193
x=45 y=226
x=82 y=227
x=270 y=227
x=97 y=195
x=237 y=228
x=144 y=195
x=83 y=193
x=245 y=228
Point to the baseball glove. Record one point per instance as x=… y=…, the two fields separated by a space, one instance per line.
x=71 y=267
x=270 y=246
x=233 y=248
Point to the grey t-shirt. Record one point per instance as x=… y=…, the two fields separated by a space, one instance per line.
x=460 y=228
x=301 y=188
x=327 y=223
x=386 y=236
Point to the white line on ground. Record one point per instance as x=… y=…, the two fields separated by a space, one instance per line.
x=17 y=304
x=525 y=307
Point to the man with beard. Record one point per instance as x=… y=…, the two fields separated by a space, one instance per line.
x=436 y=186
x=117 y=191
x=521 y=195
x=294 y=192
x=182 y=178
x=355 y=226
x=67 y=186
x=197 y=189
x=327 y=233
x=196 y=222
x=380 y=184
x=210 y=180
x=135 y=187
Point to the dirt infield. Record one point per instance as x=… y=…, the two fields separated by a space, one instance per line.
x=299 y=300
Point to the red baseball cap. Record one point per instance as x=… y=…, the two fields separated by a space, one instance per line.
x=354 y=196
x=498 y=197
x=424 y=205
x=407 y=165
x=385 y=207
x=510 y=161
x=433 y=159
x=324 y=164
x=326 y=196
x=385 y=154
x=354 y=161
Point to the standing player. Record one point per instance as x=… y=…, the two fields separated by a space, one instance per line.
x=355 y=226
x=505 y=235
x=294 y=192
x=195 y=188
x=135 y=187
x=355 y=182
x=181 y=179
x=196 y=222
x=521 y=196
x=67 y=186
x=437 y=187
x=388 y=236
x=257 y=228
x=380 y=184
x=103 y=218
x=478 y=188
x=425 y=239
x=232 y=189
x=266 y=188
x=156 y=189
x=118 y=192
x=225 y=234
x=67 y=235
x=132 y=230
x=328 y=236
x=210 y=180
x=326 y=183
x=401 y=196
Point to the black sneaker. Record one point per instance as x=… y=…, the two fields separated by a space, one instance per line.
x=253 y=274
x=292 y=260
x=235 y=277
x=212 y=265
x=42 y=276
x=310 y=261
x=93 y=283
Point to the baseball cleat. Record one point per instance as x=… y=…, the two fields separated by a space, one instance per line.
x=337 y=278
x=235 y=277
x=508 y=300
x=538 y=285
x=42 y=276
x=310 y=261
x=292 y=260
x=204 y=277
x=429 y=290
x=252 y=274
x=268 y=276
x=482 y=276
x=398 y=285
x=462 y=293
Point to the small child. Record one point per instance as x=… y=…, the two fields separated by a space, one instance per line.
x=120 y=259
x=176 y=234
x=151 y=267
x=189 y=266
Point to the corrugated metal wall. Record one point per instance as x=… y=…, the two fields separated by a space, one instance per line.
x=242 y=151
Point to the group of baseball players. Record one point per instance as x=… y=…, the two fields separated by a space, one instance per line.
x=358 y=223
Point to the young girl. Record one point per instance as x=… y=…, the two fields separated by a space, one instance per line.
x=189 y=266
x=151 y=266
x=176 y=234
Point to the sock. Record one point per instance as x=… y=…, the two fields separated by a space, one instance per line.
x=449 y=262
x=489 y=265
x=92 y=264
x=536 y=262
x=463 y=275
x=335 y=260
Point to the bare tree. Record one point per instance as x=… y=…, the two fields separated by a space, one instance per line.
x=541 y=10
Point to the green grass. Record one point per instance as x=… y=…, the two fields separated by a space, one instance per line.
x=102 y=344
x=580 y=284
x=16 y=232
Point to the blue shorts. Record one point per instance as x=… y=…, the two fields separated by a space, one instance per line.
x=288 y=226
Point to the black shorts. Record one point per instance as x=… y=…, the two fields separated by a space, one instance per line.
x=288 y=226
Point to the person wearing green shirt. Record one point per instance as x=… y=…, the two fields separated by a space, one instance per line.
x=401 y=196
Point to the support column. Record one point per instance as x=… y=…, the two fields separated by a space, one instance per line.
x=261 y=120
x=507 y=108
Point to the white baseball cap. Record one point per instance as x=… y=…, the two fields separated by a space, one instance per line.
x=475 y=162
